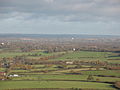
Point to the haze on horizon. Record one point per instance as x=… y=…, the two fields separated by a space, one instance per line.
x=93 y=17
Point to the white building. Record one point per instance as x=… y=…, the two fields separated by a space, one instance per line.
x=14 y=75
x=69 y=62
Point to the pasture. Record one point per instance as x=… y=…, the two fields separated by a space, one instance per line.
x=62 y=75
x=87 y=55
x=53 y=84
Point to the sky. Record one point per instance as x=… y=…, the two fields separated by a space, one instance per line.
x=93 y=17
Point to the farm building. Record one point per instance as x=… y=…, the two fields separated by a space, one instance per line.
x=14 y=75
x=2 y=75
x=69 y=62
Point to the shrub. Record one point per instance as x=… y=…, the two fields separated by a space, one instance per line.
x=117 y=84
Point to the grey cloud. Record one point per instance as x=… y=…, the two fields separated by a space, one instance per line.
x=65 y=10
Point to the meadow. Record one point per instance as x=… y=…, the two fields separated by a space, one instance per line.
x=53 y=84
x=62 y=75
x=88 y=55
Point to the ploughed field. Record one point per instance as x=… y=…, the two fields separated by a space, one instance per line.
x=73 y=69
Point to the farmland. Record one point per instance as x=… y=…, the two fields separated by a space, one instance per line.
x=55 y=84
x=49 y=63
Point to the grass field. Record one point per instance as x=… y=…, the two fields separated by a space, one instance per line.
x=114 y=61
x=85 y=55
x=88 y=55
x=81 y=55
x=53 y=84
x=104 y=72
x=12 y=54
x=51 y=76
x=65 y=77
x=38 y=56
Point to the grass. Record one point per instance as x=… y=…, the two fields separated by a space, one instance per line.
x=64 y=77
x=53 y=84
x=114 y=61
x=38 y=66
x=12 y=54
x=85 y=55
x=44 y=69
x=18 y=71
x=108 y=79
x=88 y=55
x=2 y=69
x=60 y=77
x=104 y=72
x=82 y=55
x=44 y=54
x=79 y=70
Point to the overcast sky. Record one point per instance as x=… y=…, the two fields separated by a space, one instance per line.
x=100 y=17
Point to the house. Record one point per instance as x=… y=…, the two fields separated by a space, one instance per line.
x=2 y=43
x=74 y=49
x=14 y=75
x=69 y=62
x=2 y=73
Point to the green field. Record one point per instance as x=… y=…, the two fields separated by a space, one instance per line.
x=82 y=55
x=105 y=72
x=62 y=76
x=53 y=84
x=40 y=54
x=12 y=54
x=86 y=55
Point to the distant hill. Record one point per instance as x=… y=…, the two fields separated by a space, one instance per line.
x=55 y=36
